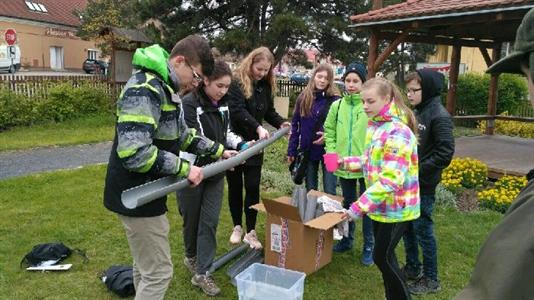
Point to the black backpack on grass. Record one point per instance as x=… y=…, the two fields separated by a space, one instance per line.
x=49 y=252
x=119 y=280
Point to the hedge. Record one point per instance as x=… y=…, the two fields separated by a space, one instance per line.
x=473 y=89
x=64 y=101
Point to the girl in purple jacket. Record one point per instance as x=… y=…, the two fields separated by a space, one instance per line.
x=307 y=126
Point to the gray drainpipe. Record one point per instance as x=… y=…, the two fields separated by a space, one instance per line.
x=145 y=193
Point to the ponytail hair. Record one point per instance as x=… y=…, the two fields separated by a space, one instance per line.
x=389 y=90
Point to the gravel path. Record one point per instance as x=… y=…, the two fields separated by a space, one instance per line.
x=19 y=163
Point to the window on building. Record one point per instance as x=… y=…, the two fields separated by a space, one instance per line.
x=91 y=54
x=36 y=6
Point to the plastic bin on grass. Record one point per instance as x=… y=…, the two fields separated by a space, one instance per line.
x=264 y=282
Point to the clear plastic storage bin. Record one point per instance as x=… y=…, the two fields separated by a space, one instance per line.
x=263 y=282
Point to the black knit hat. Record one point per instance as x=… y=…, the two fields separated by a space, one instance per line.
x=523 y=49
x=357 y=68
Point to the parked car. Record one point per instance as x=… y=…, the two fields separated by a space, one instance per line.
x=94 y=66
x=299 y=78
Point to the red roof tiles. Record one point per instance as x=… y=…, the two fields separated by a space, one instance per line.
x=59 y=11
x=419 y=8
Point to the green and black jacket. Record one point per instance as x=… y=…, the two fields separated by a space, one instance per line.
x=150 y=133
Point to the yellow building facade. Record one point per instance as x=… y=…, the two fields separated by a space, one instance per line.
x=471 y=57
x=49 y=46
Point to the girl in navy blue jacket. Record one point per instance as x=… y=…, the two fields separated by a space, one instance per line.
x=307 y=126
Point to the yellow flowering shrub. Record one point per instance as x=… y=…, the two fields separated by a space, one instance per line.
x=510 y=128
x=464 y=173
x=501 y=195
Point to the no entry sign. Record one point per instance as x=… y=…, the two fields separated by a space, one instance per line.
x=10 y=36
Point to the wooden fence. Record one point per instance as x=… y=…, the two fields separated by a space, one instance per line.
x=285 y=88
x=39 y=86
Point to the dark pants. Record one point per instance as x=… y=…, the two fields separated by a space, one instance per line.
x=420 y=232
x=348 y=187
x=200 y=208
x=251 y=176
x=312 y=177
x=387 y=236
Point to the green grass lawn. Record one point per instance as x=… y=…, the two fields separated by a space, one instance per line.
x=67 y=206
x=465 y=131
x=86 y=130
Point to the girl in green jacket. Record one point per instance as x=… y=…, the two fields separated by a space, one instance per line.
x=345 y=128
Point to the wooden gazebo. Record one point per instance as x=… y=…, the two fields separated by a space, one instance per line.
x=484 y=24
x=123 y=44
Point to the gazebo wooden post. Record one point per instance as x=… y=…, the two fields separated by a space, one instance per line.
x=377 y=4
x=373 y=44
x=492 y=95
x=453 y=78
x=373 y=54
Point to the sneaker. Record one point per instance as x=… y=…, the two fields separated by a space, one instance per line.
x=342 y=246
x=424 y=286
x=412 y=274
x=235 y=238
x=206 y=283
x=191 y=264
x=252 y=239
x=367 y=257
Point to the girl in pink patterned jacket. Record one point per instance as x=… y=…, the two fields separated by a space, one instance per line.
x=390 y=168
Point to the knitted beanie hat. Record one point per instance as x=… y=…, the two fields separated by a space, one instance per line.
x=357 y=68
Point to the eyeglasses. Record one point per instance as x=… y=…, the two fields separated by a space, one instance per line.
x=412 y=91
x=196 y=77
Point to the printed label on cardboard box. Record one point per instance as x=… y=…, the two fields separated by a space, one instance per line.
x=276 y=238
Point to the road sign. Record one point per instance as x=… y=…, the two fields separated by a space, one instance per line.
x=10 y=36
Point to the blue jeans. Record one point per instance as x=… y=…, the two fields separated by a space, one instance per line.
x=312 y=178
x=348 y=186
x=420 y=232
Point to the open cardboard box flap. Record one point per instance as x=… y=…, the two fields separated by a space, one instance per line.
x=279 y=207
x=326 y=221
x=282 y=207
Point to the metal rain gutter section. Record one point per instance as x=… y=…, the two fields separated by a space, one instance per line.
x=145 y=193
x=468 y=13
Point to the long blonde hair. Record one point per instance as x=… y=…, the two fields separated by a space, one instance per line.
x=244 y=72
x=385 y=88
x=306 y=97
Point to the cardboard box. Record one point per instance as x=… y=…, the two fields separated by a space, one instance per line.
x=294 y=245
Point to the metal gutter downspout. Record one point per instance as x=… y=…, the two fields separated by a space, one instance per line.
x=145 y=193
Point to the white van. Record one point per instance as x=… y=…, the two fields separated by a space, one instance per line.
x=9 y=58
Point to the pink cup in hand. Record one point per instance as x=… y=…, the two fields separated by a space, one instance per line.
x=331 y=161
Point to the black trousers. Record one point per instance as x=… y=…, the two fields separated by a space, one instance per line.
x=251 y=177
x=387 y=236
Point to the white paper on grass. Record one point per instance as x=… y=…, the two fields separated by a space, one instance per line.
x=276 y=238
x=64 y=267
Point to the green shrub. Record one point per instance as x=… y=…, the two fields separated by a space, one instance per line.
x=444 y=197
x=293 y=101
x=15 y=110
x=64 y=101
x=473 y=89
